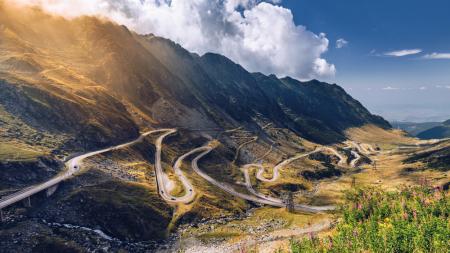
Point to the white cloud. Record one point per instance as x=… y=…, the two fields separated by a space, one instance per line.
x=437 y=56
x=390 y=88
x=403 y=52
x=261 y=36
x=340 y=43
x=423 y=88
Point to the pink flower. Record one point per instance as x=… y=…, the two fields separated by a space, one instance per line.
x=405 y=215
x=359 y=206
x=330 y=244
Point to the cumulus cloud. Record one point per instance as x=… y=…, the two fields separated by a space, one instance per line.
x=403 y=52
x=340 y=43
x=437 y=56
x=260 y=35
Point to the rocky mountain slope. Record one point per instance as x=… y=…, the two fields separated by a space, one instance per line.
x=436 y=158
x=437 y=132
x=414 y=128
x=84 y=77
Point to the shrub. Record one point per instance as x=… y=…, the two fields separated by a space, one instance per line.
x=415 y=219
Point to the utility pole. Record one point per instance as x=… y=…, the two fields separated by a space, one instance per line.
x=290 y=202
x=27 y=202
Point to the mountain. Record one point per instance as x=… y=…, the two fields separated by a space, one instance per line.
x=414 y=128
x=88 y=77
x=438 y=132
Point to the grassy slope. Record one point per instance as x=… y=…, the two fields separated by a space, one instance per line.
x=18 y=152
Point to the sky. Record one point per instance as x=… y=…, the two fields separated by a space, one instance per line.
x=392 y=55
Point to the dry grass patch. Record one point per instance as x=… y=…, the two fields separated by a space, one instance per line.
x=12 y=151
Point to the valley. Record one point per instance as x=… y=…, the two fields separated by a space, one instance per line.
x=384 y=167
x=114 y=141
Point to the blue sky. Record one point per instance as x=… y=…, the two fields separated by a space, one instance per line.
x=399 y=88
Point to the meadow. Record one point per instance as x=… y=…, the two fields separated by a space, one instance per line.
x=413 y=219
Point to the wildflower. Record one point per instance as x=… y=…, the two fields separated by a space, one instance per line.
x=330 y=242
x=415 y=214
x=359 y=206
x=405 y=215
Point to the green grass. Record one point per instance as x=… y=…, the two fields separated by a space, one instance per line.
x=16 y=152
x=411 y=220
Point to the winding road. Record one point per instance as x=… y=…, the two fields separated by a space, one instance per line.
x=208 y=148
x=73 y=166
x=342 y=160
x=350 y=145
x=238 y=150
x=248 y=184
x=275 y=171
x=189 y=189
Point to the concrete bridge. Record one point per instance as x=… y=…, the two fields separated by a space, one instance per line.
x=24 y=196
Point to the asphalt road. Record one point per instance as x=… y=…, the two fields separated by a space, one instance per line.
x=248 y=184
x=73 y=166
x=207 y=149
x=276 y=173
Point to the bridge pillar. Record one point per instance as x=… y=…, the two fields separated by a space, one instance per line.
x=49 y=192
x=289 y=201
x=27 y=202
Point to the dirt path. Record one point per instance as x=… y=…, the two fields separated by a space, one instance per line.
x=269 y=242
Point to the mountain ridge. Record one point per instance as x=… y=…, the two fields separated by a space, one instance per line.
x=438 y=132
x=90 y=60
